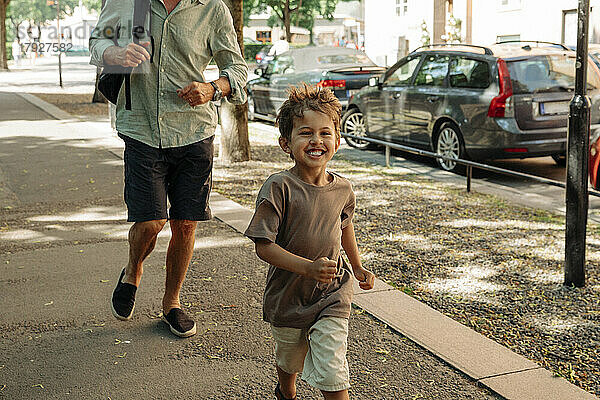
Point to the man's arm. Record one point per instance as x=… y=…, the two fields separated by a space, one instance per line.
x=130 y=56
x=366 y=277
x=197 y=93
x=228 y=57
x=322 y=269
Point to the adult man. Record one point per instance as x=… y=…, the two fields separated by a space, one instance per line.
x=280 y=46
x=169 y=131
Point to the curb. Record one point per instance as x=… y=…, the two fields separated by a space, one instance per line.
x=46 y=107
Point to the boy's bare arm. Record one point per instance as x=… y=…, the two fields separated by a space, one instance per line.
x=366 y=277
x=322 y=269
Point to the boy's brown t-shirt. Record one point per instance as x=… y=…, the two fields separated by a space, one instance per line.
x=306 y=220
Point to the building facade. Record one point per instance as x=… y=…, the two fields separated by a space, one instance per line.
x=395 y=27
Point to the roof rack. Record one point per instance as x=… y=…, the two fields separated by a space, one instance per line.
x=486 y=49
x=534 y=41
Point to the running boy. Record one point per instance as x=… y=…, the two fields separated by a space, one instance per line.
x=302 y=220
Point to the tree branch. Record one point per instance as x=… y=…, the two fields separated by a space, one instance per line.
x=296 y=8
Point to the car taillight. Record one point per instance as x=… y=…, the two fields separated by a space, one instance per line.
x=333 y=83
x=258 y=57
x=501 y=105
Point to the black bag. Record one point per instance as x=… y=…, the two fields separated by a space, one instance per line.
x=111 y=79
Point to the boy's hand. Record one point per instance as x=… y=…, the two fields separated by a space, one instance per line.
x=322 y=269
x=366 y=278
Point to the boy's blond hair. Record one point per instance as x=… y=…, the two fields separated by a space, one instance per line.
x=305 y=97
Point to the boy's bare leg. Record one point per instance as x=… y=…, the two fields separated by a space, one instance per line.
x=341 y=395
x=179 y=254
x=142 y=239
x=287 y=383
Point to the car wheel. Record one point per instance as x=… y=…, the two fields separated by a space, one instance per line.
x=353 y=123
x=449 y=143
x=251 y=109
x=560 y=159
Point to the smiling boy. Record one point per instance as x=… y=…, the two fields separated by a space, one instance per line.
x=303 y=218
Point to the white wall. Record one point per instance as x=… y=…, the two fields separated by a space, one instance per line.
x=531 y=19
x=383 y=27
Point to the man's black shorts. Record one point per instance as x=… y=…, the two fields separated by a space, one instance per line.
x=183 y=174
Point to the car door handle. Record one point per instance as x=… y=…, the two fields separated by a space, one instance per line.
x=433 y=99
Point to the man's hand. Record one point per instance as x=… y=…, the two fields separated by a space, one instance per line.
x=365 y=277
x=197 y=93
x=322 y=269
x=130 y=56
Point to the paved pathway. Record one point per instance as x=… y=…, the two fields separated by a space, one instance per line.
x=62 y=243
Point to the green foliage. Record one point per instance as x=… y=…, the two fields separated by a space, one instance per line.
x=37 y=12
x=453 y=32
x=250 y=51
x=93 y=5
x=301 y=12
x=425 y=37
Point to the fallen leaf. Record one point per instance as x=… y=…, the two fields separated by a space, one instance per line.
x=50 y=303
x=104 y=280
x=38 y=385
x=122 y=355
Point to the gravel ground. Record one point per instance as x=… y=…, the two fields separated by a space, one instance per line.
x=492 y=266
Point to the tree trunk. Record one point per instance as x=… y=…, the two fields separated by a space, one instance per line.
x=3 y=55
x=235 y=146
x=287 y=21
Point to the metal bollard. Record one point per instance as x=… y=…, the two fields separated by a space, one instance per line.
x=387 y=156
x=469 y=176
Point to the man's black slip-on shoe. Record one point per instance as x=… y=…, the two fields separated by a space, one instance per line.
x=179 y=323
x=123 y=299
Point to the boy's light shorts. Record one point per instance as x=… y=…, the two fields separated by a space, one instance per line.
x=319 y=352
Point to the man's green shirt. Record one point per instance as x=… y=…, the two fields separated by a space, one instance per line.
x=185 y=41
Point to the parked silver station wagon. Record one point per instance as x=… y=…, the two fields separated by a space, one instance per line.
x=509 y=100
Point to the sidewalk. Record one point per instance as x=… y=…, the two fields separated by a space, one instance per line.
x=75 y=232
x=62 y=243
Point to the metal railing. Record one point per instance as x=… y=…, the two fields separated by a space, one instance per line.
x=469 y=164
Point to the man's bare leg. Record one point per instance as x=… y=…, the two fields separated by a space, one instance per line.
x=142 y=239
x=179 y=254
x=287 y=383
x=340 y=395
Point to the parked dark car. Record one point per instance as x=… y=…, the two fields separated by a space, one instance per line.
x=505 y=101
x=342 y=70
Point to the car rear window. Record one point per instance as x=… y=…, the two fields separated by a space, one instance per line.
x=469 y=73
x=551 y=73
x=344 y=59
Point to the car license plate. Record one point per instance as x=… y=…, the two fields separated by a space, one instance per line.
x=351 y=92
x=554 y=107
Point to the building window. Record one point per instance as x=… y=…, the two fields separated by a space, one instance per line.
x=509 y=5
x=508 y=38
x=401 y=7
x=263 y=36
